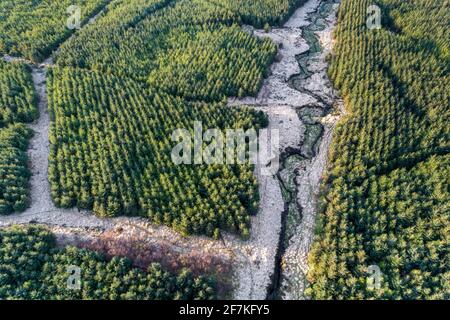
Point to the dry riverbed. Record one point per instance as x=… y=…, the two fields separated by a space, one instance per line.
x=301 y=103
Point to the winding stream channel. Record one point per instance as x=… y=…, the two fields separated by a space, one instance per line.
x=300 y=103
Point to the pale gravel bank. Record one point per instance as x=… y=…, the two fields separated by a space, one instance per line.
x=281 y=101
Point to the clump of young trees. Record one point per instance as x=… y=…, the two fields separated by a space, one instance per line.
x=14 y=173
x=17 y=106
x=208 y=62
x=386 y=198
x=124 y=83
x=17 y=96
x=32 y=267
x=111 y=152
x=189 y=48
x=33 y=29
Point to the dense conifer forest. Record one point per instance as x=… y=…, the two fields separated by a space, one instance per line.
x=17 y=107
x=32 y=29
x=386 y=196
x=172 y=63
x=111 y=152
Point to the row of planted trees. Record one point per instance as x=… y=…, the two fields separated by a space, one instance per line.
x=17 y=107
x=188 y=48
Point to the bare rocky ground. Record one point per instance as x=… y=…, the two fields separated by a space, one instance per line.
x=254 y=260
x=308 y=178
